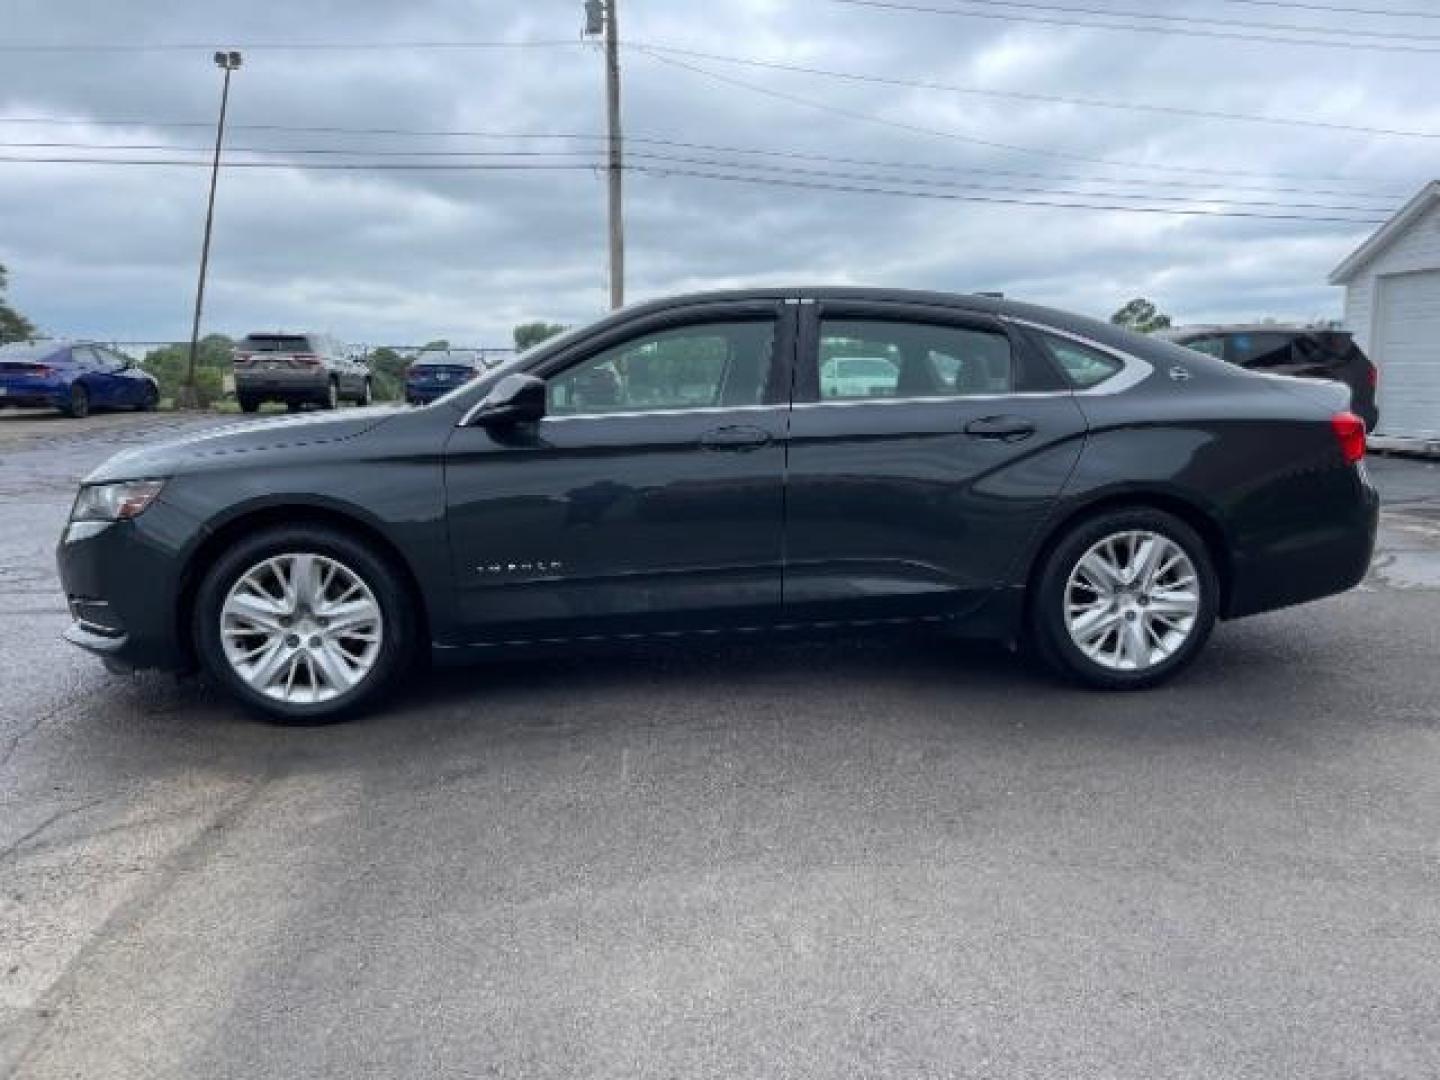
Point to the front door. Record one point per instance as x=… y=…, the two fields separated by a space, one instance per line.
x=651 y=496
x=926 y=448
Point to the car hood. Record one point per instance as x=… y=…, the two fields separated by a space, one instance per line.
x=200 y=449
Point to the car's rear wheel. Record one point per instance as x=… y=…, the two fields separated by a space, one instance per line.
x=332 y=395
x=249 y=404
x=1125 y=600
x=150 y=400
x=307 y=624
x=78 y=403
x=367 y=395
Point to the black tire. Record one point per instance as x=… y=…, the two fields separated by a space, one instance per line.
x=293 y=406
x=1048 y=632
x=397 y=606
x=151 y=401
x=249 y=404
x=78 y=405
x=332 y=395
x=367 y=395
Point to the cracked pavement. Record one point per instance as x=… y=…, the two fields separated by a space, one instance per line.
x=836 y=858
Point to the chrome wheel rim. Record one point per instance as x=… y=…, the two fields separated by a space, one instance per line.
x=1132 y=600
x=301 y=628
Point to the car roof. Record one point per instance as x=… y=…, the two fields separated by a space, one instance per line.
x=1102 y=332
x=1174 y=332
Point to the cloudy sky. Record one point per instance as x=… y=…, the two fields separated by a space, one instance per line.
x=741 y=167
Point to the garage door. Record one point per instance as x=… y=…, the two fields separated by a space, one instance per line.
x=1408 y=351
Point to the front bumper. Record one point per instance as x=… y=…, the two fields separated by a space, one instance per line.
x=122 y=581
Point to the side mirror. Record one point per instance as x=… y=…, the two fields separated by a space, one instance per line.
x=515 y=399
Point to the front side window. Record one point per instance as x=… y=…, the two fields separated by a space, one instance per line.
x=703 y=366
x=1083 y=366
x=870 y=358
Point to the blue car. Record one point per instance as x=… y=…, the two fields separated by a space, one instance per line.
x=73 y=377
x=438 y=371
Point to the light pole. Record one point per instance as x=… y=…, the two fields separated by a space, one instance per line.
x=228 y=62
x=600 y=16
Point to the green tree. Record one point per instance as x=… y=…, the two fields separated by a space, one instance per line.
x=13 y=325
x=532 y=333
x=1142 y=316
x=388 y=367
x=170 y=363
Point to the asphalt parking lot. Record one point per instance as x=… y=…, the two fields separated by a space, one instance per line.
x=842 y=858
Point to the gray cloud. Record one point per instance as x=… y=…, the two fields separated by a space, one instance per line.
x=393 y=256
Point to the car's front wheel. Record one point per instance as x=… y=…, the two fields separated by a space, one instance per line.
x=307 y=624
x=78 y=403
x=1125 y=600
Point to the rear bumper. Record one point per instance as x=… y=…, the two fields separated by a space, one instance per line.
x=283 y=384
x=1330 y=556
x=121 y=581
x=32 y=396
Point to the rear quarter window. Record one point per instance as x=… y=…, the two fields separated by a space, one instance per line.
x=1083 y=366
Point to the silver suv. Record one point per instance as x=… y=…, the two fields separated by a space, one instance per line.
x=298 y=369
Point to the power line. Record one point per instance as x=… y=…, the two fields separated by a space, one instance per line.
x=665 y=165
x=1193 y=20
x=919 y=129
x=930 y=167
x=1339 y=9
x=1189 y=31
x=1019 y=95
x=685 y=144
x=1003 y=201
x=277 y=46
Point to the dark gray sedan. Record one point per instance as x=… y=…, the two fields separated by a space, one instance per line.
x=712 y=463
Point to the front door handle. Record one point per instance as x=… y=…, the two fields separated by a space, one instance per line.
x=1001 y=428
x=737 y=437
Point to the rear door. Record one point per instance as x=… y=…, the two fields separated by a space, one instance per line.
x=911 y=493
x=651 y=496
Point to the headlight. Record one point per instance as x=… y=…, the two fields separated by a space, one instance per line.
x=115 y=502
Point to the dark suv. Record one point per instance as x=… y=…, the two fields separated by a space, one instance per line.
x=1290 y=350
x=298 y=370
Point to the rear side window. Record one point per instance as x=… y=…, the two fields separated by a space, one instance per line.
x=1260 y=350
x=1210 y=346
x=871 y=358
x=1083 y=366
x=276 y=343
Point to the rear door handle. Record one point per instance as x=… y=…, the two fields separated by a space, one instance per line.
x=736 y=437
x=1001 y=428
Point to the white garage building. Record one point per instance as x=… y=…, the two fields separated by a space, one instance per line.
x=1392 y=306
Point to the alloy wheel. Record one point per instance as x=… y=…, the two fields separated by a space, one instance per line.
x=1132 y=600
x=301 y=628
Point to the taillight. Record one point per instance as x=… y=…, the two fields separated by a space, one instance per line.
x=1350 y=433
x=243 y=359
x=305 y=359
x=1374 y=376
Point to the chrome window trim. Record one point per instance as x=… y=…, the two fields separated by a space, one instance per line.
x=704 y=409
x=1133 y=369
x=934 y=399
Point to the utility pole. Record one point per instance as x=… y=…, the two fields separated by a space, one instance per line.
x=229 y=62
x=600 y=13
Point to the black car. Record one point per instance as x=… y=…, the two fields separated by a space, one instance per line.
x=1291 y=350
x=1017 y=473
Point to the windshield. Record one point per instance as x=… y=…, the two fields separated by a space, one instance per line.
x=443 y=358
